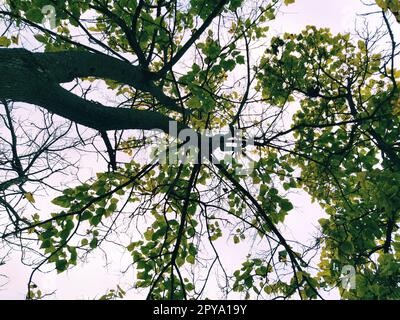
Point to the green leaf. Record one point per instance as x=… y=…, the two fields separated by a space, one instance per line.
x=248 y=282
x=61 y=265
x=194 y=103
x=190 y=259
x=347 y=247
x=34 y=15
x=180 y=261
x=62 y=201
x=192 y=250
x=45 y=244
x=93 y=243
x=286 y=205
x=240 y=60
x=86 y=215
x=228 y=65
x=41 y=38
x=95 y=220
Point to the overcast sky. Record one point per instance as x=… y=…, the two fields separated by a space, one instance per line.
x=93 y=278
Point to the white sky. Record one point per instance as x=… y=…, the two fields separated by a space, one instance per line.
x=93 y=278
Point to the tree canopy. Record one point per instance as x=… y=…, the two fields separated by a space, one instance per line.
x=316 y=111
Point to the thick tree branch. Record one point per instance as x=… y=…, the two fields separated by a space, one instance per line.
x=34 y=78
x=68 y=65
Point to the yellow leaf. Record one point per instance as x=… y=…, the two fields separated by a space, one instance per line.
x=4 y=42
x=29 y=197
x=287 y=2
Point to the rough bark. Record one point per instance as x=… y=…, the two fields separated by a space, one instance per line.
x=35 y=78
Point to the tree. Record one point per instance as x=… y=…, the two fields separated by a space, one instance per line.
x=193 y=64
